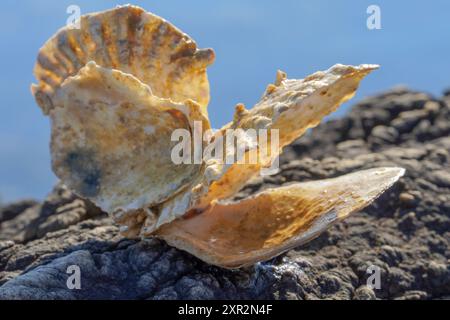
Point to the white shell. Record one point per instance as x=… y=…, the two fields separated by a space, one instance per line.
x=111 y=140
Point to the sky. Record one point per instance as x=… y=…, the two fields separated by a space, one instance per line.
x=252 y=39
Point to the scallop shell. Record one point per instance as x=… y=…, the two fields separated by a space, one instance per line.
x=130 y=40
x=115 y=90
x=111 y=139
x=118 y=88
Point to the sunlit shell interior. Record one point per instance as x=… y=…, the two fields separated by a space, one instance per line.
x=273 y=221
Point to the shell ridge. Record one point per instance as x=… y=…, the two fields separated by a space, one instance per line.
x=125 y=39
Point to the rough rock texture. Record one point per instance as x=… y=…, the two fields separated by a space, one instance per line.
x=405 y=233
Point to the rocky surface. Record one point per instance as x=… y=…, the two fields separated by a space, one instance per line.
x=405 y=233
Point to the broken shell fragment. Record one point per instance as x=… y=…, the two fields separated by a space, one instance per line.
x=119 y=87
x=291 y=107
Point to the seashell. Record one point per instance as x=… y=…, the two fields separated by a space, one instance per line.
x=106 y=126
x=130 y=40
x=304 y=104
x=93 y=82
x=263 y=226
x=118 y=88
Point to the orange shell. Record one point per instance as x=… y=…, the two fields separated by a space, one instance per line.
x=131 y=40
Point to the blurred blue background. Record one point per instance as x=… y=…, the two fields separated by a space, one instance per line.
x=252 y=39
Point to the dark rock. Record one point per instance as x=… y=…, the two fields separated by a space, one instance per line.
x=11 y=211
x=408 y=199
x=405 y=233
x=364 y=293
x=60 y=210
x=446 y=92
x=409 y=222
x=441 y=178
x=407 y=120
x=382 y=135
x=413 y=295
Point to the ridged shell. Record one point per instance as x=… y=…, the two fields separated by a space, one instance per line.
x=111 y=140
x=292 y=107
x=115 y=90
x=133 y=41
